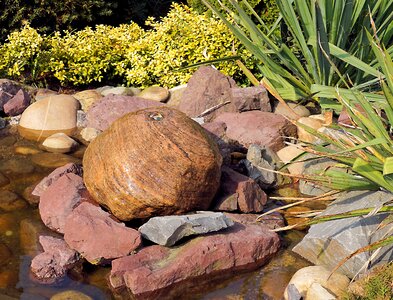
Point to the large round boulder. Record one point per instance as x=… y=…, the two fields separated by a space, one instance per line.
x=48 y=116
x=155 y=161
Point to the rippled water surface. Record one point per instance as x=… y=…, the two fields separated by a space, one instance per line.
x=22 y=165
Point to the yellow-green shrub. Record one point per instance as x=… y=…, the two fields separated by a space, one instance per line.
x=20 y=55
x=125 y=54
x=182 y=38
x=89 y=55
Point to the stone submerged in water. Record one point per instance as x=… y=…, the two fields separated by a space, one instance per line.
x=51 y=115
x=167 y=230
x=59 y=143
x=161 y=271
x=165 y=165
x=97 y=236
x=55 y=261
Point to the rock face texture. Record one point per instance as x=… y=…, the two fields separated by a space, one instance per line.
x=239 y=192
x=208 y=88
x=60 y=198
x=8 y=89
x=112 y=107
x=17 y=104
x=152 y=162
x=50 y=115
x=257 y=127
x=55 y=261
x=155 y=268
x=56 y=174
x=339 y=238
x=166 y=231
x=96 y=236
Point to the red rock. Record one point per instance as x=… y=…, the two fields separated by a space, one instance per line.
x=56 y=174
x=239 y=192
x=207 y=88
x=272 y=221
x=60 y=198
x=155 y=269
x=8 y=89
x=257 y=127
x=110 y=108
x=251 y=98
x=344 y=119
x=17 y=104
x=97 y=236
x=55 y=261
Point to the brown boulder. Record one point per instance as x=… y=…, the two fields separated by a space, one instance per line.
x=239 y=192
x=257 y=127
x=158 y=271
x=56 y=174
x=165 y=165
x=60 y=198
x=97 y=236
x=110 y=108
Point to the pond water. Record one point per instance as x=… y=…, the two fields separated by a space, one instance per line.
x=22 y=165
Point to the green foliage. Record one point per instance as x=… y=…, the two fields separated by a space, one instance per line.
x=315 y=34
x=182 y=38
x=376 y=286
x=127 y=54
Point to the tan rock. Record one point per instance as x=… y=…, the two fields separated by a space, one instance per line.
x=318 y=292
x=313 y=122
x=175 y=95
x=50 y=115
x=288 y=153
x=120 y=90
x=10 y=201
x=87 y=98
x=53 y=160
x=70 y=295
x=294 y=112
x=303 y=279
x=166 y=164
x=59 y=143
x=26 y=150
x=44 y=93
x=89 y=133
x=155 y=93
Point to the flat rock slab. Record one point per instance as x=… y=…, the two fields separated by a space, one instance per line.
x=330 y=242
x=167 y=230
x=155 y=270
x=97 y=236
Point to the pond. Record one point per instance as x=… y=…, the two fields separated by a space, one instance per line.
x=22 y=165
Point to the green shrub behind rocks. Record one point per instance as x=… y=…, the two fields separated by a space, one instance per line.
x=126 y=54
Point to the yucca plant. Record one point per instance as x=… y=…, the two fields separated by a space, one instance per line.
x=296 y=64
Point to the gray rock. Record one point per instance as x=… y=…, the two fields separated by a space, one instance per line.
x=168 y=230
x=3 y=123
x=81 y=118
x=260 y=163
x=329 y=242
x=293 y=293
x=313 y=167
